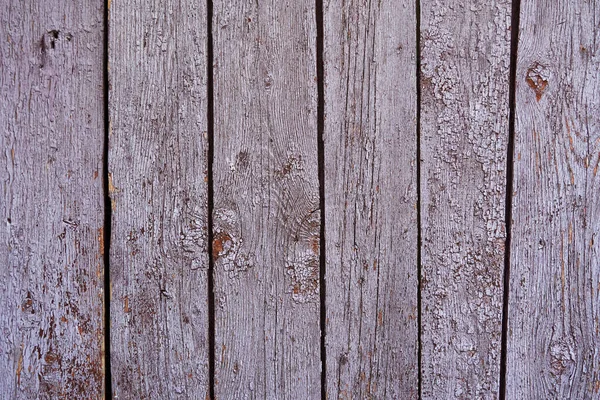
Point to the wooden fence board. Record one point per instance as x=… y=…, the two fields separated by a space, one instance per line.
x=51 y=200
x=266 y=200
x=465 y=57
x=554 y=310
x=158 y=188
x=370 y=144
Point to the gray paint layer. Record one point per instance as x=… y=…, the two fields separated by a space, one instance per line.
x=465 y=57
x=51 y=200
x=370 y=166
x=158 y=190
x=554 y=309
x=266 y=215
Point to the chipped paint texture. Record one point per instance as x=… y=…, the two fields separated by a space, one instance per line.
x=370 y=144
x=266 y=200
x=553 y=349
x=465 y=57
x=157 y=164
x=266 y=216
x=51 y=207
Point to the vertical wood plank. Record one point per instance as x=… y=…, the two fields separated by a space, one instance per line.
x=465 y=58
x=51 y=200
x=158 y=189
x=266 y=200
x=370 y=144
x=554 y=310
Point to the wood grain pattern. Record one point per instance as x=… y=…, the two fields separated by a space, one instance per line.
x=370 y=144
x=465 y=57
x=266 y=200
x=51 y=200
x=554 y=309
x=158 y=189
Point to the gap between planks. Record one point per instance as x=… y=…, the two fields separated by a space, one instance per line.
x=321 y=168
x=514 y=42
x=210 y=200
x=419 y=241
x=108 y=394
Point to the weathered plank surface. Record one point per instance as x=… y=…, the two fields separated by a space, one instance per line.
x=554 y=310
x=370 y=144
x=158 y=167
x=266 y=200
x=464 y=132
x=51 y=200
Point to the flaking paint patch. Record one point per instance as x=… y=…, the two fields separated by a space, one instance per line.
x=315 y=245
x=20 y=365
x=111 y=191
x=537 y=79
x=227 y=246
x=111 y=187
x=219 y=244
x=101 y=240
x=304 y=275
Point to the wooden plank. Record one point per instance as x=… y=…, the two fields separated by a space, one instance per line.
x=158 y=167
x=370 y=144
x=465 y=57
x=51 y=200
x=266 y=200
x=553 y=349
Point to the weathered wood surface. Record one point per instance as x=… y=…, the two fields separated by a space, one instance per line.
x=51 y=200
x=158 y=189
x=370 y=146
x=266 y=200
x=465 y=58
x=267 y=221
x=554 y=310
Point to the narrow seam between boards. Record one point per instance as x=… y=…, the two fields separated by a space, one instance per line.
x=510 y=149
x=321 y=168
x=419 y=238
x=210 y=199
x=107 y=206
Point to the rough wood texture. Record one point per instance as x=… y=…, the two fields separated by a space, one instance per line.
x=266 y=216
x=370 y=144
x=51 y=200
x=464 y=131
x=158 y=167
x=554 y=309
